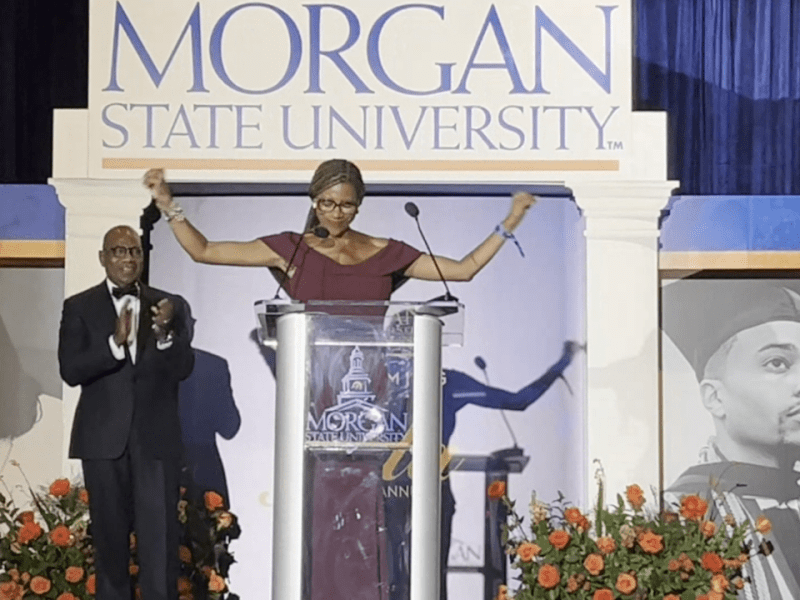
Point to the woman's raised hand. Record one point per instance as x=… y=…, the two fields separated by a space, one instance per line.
x=157 y=184
x=521 y=202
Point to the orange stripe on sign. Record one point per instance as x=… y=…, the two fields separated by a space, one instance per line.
x=729 y=260
x=31 y=249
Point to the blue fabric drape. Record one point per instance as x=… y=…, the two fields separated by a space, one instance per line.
x=728 y=74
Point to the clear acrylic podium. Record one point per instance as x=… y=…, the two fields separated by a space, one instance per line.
x=351 y=380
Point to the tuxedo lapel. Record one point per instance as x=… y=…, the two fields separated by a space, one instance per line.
x=101 y=299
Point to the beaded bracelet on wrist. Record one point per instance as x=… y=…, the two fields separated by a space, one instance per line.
x=507 y=235
x=174 y=212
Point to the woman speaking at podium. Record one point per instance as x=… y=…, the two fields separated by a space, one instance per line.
x=331 y=261
x=345 y=264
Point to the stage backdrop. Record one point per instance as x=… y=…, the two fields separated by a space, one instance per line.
x=519 y=313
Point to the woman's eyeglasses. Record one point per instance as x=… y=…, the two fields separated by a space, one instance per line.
x=347 y=208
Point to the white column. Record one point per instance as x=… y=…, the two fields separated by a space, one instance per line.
x=622 y=413
x=92 y=208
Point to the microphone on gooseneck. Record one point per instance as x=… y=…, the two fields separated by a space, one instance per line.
x=318 y=231
x=481 y=364
x=413 y=211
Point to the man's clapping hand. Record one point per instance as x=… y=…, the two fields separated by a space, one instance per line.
x=122 y=330
x=163 y=312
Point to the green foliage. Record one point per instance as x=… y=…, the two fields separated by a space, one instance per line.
x=51 y=539
x=630 y=552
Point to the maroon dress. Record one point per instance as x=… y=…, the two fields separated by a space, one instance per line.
x=319 y=277
x=347 y=541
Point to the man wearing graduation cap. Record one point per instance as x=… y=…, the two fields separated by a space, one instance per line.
x=742 y=337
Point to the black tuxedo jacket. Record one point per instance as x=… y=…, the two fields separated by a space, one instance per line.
x=118 y=395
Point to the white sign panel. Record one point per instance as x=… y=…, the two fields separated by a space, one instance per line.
x=495 y=90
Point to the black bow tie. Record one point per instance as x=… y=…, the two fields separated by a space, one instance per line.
x=129 y=290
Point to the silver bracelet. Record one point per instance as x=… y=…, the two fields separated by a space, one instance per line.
x=507 y=235
x=174 y=212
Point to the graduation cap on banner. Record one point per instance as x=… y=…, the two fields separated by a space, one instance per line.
x=699 y=315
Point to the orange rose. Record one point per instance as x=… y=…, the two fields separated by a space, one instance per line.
x=763 y=525
x=73 y=574
x=672 y=597
x=11 y=590
x=549 y=577
x=573 y=516
x=594 y=563
x=216 y=583
x=91 y=585
x=715 y=596
x=14 y=574
x=560 y=539
x=60 y=487
x=606 y=545
x=719 y=583
x=40 y=585
x=66 y=596
x=573 y=585
x=584 y=524
x=651 y=543
x=603 y=594
x=61 y=536
x=497 y=489
x=674 y=565
x=213 y=501
x=708 y=528
x=29 y=532
x=712 y=562
x=635 y=496
x=84 y=495
x=693 y=507
x=25 y=577
x=184 y=585
x=26 y=516
x=528 y=551
x=626 y=583
x=185 y=554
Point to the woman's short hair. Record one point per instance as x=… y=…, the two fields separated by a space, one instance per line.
x=334 y=171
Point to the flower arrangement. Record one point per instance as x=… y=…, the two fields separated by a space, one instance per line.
x=46 y=550
x=630 y=552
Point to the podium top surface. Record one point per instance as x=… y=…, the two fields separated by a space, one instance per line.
x=379 y=323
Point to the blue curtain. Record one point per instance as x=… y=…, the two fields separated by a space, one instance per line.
x=728 y=74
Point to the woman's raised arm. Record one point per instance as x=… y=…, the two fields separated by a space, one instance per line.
x=466 y=268
x=253 y=254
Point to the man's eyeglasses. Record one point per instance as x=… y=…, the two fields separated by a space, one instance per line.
x=123 y=251
x=347 y=208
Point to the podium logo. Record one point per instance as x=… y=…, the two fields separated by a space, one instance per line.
x=355 y=417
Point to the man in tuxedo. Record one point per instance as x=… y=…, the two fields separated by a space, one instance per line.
x=742 y=338
x=128 y=346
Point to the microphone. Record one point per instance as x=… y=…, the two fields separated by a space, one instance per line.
x=481 y=364
x=318 y=231
x=413 y=211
